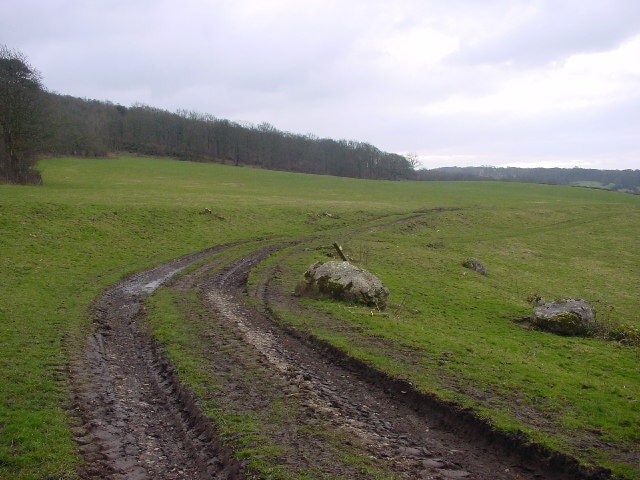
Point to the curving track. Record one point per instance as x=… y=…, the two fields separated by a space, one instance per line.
x=138 y=422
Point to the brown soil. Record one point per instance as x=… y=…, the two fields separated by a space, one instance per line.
x=139 y=422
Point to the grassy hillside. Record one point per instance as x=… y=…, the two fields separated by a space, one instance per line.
x=94 y=221
x=456 y=333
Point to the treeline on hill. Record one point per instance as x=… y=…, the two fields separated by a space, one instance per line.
x=95 y=128
x=36 y=122
x=620 y=180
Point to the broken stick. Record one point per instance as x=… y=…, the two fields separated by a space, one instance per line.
x=339 y=250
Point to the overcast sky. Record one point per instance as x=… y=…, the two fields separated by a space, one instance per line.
x=455 y=82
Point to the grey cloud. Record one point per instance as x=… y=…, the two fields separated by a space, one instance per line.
x=315 y=67
x=603 y=138
x=559 y=29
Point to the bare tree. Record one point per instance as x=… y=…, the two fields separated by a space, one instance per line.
x=412 y=158
x=21 y=107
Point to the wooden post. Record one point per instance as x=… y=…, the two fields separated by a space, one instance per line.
x=339 y=250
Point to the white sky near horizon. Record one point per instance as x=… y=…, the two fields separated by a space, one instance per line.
x=552 y=83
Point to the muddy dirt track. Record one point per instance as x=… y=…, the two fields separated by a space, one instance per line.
x=138 y=422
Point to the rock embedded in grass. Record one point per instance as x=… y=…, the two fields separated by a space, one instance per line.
x=475 y=264
x=566 y=316
x=343 y=281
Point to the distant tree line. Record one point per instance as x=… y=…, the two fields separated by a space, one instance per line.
x=34 y=121
x=93 y=128
x=621 y=180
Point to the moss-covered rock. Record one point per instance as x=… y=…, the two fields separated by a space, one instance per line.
x=475 y=264
x=567 y=316
x=343 y=281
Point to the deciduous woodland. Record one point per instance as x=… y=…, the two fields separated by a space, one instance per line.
x=93 y=128
x=36 y=122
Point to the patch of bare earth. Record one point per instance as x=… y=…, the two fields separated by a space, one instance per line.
x=136 y=421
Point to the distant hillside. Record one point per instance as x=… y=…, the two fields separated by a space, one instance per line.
x=619 y=180
x=94 y=128
x=34 y=121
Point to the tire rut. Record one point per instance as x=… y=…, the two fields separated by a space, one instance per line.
x=136 y=420
x=420 y=437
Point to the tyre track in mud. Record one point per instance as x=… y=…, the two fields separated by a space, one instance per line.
x=136 y=421
x=420 y=437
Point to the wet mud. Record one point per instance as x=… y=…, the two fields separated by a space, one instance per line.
x=137 y=421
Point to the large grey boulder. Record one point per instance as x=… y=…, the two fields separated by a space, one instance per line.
x=567 y=316
x=343 y=281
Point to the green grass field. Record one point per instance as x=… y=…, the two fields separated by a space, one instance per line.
x=95 y=221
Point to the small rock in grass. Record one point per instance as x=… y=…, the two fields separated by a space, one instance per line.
x=475 y=264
